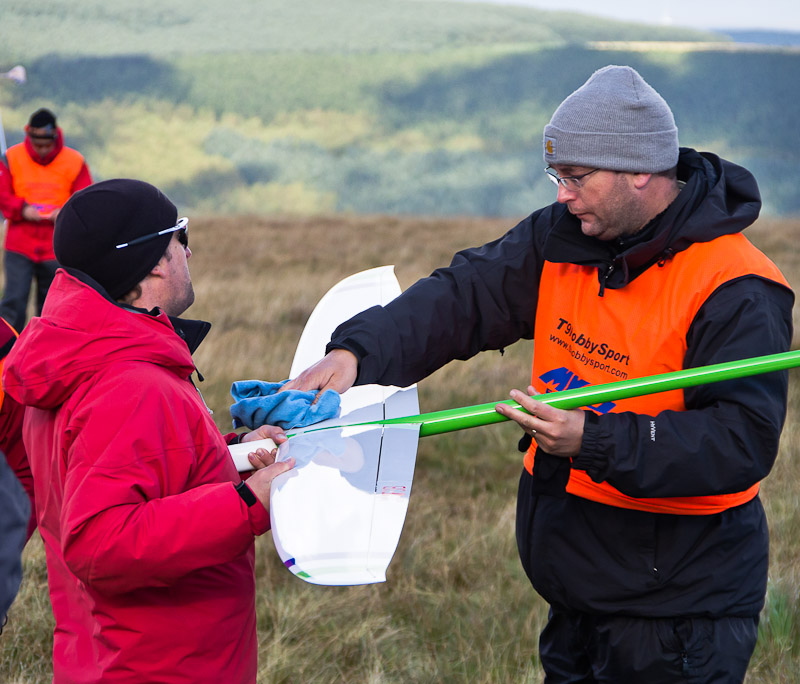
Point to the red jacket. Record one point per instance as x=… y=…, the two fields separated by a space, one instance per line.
x=45 y=183
x=150 y=550
x=11 y=415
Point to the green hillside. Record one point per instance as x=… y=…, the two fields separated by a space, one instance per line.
x=162 y=28
x=402 y=106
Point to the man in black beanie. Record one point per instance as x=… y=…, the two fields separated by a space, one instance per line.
x=148 y=528
x=116 y=232
x=42 y=173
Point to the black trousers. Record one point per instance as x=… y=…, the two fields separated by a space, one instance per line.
x=591 y=562
x=575 y=647
x=20 y=273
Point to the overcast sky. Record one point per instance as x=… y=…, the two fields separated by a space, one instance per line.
x=781 y=15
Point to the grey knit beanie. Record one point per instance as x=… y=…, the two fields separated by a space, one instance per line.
x=614 y=121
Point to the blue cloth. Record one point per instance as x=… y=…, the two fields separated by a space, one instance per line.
x=259 y=403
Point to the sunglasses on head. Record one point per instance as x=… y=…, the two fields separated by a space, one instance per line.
x=179 y=227
x=47 y=132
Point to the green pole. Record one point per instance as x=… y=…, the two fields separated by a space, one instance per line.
x=450 y=420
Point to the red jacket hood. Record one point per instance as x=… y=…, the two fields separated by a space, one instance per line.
x=52 y=154
x=79 y=332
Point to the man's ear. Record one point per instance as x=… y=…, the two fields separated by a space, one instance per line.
x=159 y=270
x=640 y=180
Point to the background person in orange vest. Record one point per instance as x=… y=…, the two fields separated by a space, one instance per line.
x=41 y=175
x=638 y=521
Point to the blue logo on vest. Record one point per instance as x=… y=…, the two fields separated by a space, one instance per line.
x=560 y=379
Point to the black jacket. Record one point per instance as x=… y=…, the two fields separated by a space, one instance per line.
x=581 y=555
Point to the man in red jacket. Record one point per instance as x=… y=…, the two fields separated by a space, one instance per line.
x=42 y=173
x=148 y=529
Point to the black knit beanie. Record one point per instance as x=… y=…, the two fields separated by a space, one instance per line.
x=98 y=218
x=42 y=118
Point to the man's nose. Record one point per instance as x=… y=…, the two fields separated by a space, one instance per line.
x=565 y=194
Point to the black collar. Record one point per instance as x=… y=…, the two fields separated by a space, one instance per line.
x=191 y=331
x=620 y=261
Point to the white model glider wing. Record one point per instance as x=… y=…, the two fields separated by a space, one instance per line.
x=338 y=514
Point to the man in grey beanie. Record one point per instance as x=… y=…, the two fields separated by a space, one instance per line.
x=148 y=528
x=639 y=520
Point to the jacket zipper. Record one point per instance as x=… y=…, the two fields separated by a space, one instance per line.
x=603 y=278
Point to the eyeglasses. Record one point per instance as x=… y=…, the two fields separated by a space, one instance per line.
x=568 y=182
x=179 y=227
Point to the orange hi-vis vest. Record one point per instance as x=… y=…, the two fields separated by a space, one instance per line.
x=47 y=187
x=583 y=339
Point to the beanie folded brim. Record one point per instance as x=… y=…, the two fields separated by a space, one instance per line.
x=649 y=152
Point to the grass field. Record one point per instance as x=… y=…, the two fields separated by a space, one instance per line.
x=456 y=606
